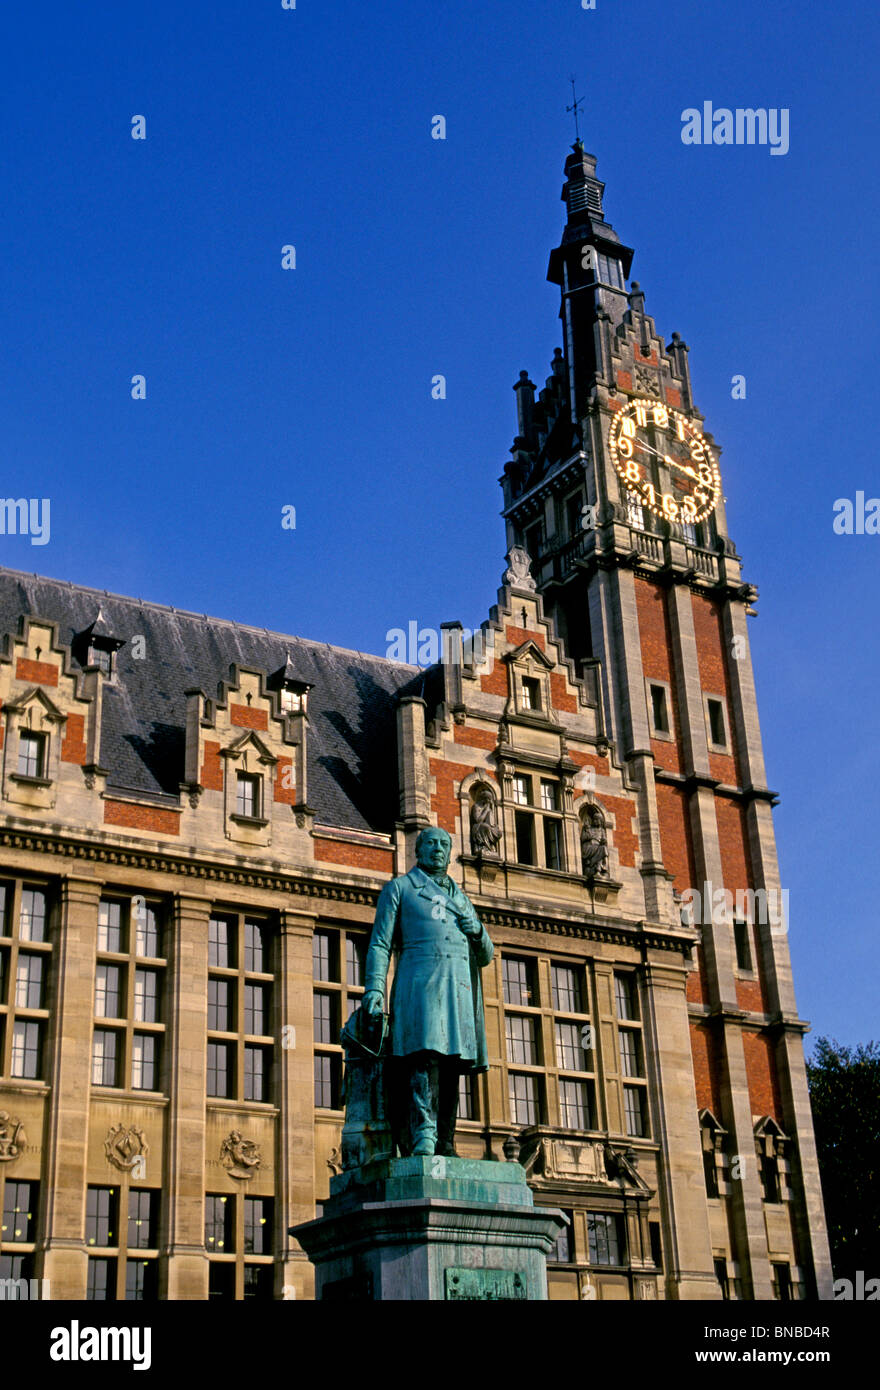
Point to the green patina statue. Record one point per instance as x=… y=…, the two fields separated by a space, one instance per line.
x=436 y=1028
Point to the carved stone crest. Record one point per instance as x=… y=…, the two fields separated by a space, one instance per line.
x=12 y=1137
x=646 y=380
x=240 y=1157
x=126 y=1147
x=517 y=573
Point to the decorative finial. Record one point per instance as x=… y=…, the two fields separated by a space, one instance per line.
x=575 y=108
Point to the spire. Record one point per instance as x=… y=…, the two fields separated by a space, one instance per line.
x=582 y=191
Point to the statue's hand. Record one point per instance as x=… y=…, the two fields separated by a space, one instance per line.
x=372 y=1003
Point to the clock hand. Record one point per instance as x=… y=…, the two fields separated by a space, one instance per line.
x=682 y=467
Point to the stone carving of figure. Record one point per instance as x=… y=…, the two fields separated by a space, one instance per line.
x=594 y=844
x=485 y=833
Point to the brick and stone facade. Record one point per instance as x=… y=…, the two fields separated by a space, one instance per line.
x=197 y=820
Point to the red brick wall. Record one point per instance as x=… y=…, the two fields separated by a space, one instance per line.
x=211 y=775
x=156 y=818
x=495 y=683
x=73 y=745
x=444 y=802
x=625 y=381
x=248 y=718
x=711 y=658
x=675 y=836
x=656 y=644
x=761 y=1070
x=517 y=635
x=559 y=694
x=707 y=1068
x=626 y=841
x=697 y=992
x=283 y=794
x=673 y=398
x=474 y=738
x=40 y=672
x=355 y=856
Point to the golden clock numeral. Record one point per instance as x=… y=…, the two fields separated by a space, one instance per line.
x=661 y=416
x=680 y=428
x=698 y=450
x=628 y=427
x=641 y=416
x=706 y=475
x=689 y=509
x=652 y=495
x=624 y=447
x=632 y=472
x=670 y=507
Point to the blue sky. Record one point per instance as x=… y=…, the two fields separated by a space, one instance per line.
x=311 y=387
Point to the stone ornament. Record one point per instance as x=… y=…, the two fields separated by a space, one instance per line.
x=517 y=573
x=126 y=1147
x=594 y=844
x=240 y=1157
x=485 y=833
x=12 y=1137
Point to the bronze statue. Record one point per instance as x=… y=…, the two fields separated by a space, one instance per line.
x=436 y=1029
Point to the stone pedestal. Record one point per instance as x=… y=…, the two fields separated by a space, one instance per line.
x=431 y=1228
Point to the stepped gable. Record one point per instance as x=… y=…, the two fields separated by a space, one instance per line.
x=352 y=758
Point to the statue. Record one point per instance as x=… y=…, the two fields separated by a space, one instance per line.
x=485 y=833
x=594 y=844
x=436 y=1029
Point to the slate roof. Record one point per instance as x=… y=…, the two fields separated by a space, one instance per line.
x=352 y=753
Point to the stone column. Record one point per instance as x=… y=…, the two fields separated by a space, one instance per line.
x=65 y=1262
x=296 y=1099
x=184 y=1263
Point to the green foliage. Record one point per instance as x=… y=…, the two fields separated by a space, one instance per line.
x=845 y=1095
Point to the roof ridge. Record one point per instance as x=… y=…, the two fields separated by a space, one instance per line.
x=204 y=617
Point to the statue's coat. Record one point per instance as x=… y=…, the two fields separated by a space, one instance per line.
x=436 y=998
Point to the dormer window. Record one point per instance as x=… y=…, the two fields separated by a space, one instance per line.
x=95 y=647
x=32 y=755
x=292 y=701
x=247 y=796
x=531 y=693
x=100 y=657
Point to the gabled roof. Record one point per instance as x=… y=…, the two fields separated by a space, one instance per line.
x=352 y=751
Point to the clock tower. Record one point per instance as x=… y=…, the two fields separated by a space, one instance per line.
x=613 y=488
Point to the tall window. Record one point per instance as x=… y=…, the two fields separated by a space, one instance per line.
x=631 y=1055
x=239 y=1239
x=25 y=962
x=129 y=1028
x=247 y=796
x=605 y=1237
x=19 y=1202
x=122 y=1225
x=32 y=755
x=522 y=1025
x=575 y=1055
x=338 y=970
x=240 y=1029
x=539 y=831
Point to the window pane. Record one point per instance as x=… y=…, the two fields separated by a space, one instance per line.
x=326 y=1082
x=218 y=1069
x=30 y=755
x=101 y=1228
x=549 y=796
x=522 y=790
x=258 y=1281
x=553 y=844
x=220 y=1005
x=110 y=927
x=19 y=1211
x=633 y=1106
x=658 y=705
x=626 y=997
x=326 y=1018
x=563 y=1251
x=104 y=1058
x=322 y=957
x=220 y=943
x=256 y=1009
x=574 y=1104
x=521 y=1044
x=32 y=920
x=255 y=948
x=604 y=1238
x=147 y=931
x=466 y=1109
x=518 y=981
x=354 y=960
x=219 y=1225
x=146 y=996
x=100 y=1284
x=142 y=1222
x=144 y=1071
x=566 y=989
x=29 y=982
x=25 y=1049
x=630 y=1052
x=257 y=1226
x=141 y=1280
x=523 y=1099
x=247 y=800
x=570 y=1052
x=256 y=1073
x=524 y=825
x=107 y=991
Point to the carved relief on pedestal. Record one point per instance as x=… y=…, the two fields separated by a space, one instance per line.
x=126 y=1148
x=240 y=1157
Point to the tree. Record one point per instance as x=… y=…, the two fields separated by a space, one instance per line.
x=845 y=1096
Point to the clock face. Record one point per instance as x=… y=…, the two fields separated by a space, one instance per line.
x=664 y=461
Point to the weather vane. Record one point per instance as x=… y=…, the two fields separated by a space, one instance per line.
x=575 y=107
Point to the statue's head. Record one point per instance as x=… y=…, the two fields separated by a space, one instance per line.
x=433 y=850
